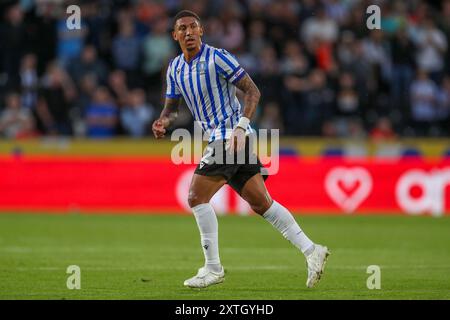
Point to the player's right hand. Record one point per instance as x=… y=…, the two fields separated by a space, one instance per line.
x=158 y=129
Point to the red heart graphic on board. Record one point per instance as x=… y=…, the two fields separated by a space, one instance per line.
x=348 y=187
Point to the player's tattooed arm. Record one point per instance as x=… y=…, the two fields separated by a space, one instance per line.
x=251 y=95
x=251 y=99
x=170 y=111
x=167 y=117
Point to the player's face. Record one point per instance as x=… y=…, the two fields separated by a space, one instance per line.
x=188 y=33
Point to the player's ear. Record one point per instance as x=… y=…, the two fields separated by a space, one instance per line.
x=174 y=35
x=201 y=30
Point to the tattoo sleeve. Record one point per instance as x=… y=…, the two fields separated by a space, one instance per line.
x=251 y=95
x=170 y=110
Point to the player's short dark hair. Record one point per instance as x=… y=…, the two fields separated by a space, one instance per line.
x=185 y=13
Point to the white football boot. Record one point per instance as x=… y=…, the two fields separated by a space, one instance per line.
x=205 y=278
x=316 y=264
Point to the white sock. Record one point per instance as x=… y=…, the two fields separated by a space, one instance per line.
x=208 y=227
x=284 y=222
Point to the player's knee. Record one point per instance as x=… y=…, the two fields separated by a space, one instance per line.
x=261 y=207
x=194 y=199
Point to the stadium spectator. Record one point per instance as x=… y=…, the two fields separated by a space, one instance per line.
x=117 y=83
x=383 y=130
x=271 y=117
x=318 y=102
x=376 y=52
x=126 y=13
x=233 y=32
x=256 y=40
x=431 y=48
x=393 y=16
x=29 y=81
x=88 y=63
x=88 y=85
x=16 y=121
x=149 y=11
x=402 y=55
x=86 y=91
x=126 y=50
x=362 y=71
x=347 y=100
x=337 y=10
x=97 y=23
x=69 y=42
x=355 y=129
x=293 y=60
x=309 y=103
x=42 y=31
x=101 y=115
x=320 y=27
x=158 y=48
x=55 y=101
x=356 y=23
x=12 y=44
x=268 y=75
x=215 y=31
x=423 y=94
x=345 y=51
x=444 y=107
x=444 y=25
x=137 y=116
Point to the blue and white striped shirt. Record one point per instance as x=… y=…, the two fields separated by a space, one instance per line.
x=207 y=84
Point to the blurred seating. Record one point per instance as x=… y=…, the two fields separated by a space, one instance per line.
x=333 y=152
x=388 y=150
x=288 y=151
x=410 y=152
x=447 y=153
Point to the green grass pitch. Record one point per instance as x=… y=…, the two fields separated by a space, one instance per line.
x=149 y=257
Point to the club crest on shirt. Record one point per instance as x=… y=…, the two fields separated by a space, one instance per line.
x=201 y=67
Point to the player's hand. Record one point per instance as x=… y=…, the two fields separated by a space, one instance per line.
x=237 y=140
x=158 y=128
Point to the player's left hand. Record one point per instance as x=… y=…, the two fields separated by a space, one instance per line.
x=237 y=140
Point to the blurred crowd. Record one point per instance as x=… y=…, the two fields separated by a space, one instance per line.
x=321 y=71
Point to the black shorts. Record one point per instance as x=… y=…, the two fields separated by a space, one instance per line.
x=236 y=169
